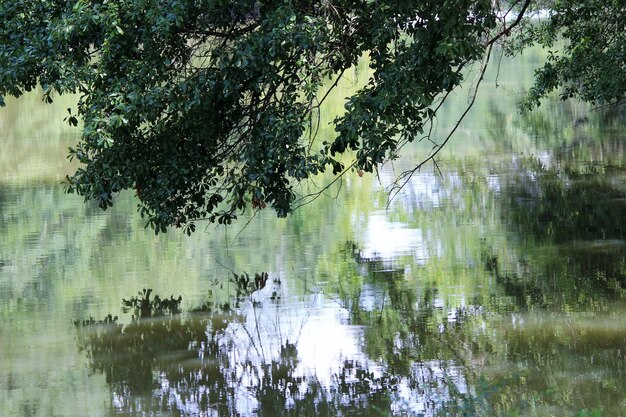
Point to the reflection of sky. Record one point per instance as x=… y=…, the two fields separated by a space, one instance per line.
x=316 y=326
x=387 y=240
x=493 y=182
x=423 y=191
x=324 y=340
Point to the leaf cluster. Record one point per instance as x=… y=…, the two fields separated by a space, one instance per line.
x=208 y=107
x=587 y=52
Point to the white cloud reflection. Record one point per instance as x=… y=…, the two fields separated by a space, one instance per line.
x=387 y=240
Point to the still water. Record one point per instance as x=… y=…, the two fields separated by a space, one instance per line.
x=496 y=286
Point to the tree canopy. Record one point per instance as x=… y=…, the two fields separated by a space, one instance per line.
x=207 y=107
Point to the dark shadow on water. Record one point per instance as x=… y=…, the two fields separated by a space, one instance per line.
x=564 y=204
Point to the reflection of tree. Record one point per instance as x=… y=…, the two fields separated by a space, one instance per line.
x=129 y=354
x=426 y=347
x=565 y=307
x=564 y=205
x=564 y=278
x=498 y=364
x=548 y=208
x=354 y=390
x=160 y=354
x=422 y=356
x=197 y=365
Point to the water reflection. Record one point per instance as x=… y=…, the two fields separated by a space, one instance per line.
x=241 y=363
x=565 y=204
x=396 y=325
x=226 y=362
x=435 y=315
x=371 y=343
x=495 y=287
x=386 y=240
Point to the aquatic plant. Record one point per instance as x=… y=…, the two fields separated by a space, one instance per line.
x=91 y=321
x=144 y=307
x=244 y=285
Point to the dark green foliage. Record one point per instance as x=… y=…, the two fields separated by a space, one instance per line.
x=207 y=107
x=143 y=306
x=91 y=321
x=588 y=51
x=244 y=285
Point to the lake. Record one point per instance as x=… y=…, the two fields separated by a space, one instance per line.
x=493 y=285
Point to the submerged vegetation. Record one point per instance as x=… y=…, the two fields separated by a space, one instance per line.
x=143 y=307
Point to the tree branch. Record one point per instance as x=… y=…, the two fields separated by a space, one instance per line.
x=507 y=30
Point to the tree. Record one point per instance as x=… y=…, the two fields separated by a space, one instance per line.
x=590 y=62
x=206 y=107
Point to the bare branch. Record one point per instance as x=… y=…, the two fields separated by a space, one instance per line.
x=405 y=176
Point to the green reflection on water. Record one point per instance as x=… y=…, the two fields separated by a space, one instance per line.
x=35 y=140
x=481 y=291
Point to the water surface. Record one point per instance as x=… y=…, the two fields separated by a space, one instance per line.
x=494 y=286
